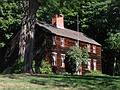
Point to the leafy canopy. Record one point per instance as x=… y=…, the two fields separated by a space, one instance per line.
x=10 y=19
x=114 y=41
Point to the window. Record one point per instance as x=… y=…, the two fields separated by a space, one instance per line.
x=94 y=49
x=62 y=60
x=76 y=43
x=79 y=69
x=54 y=58
x=54 y=40
x=94 y=64
x=89 y=64
x=62 y=42
x=88 y=47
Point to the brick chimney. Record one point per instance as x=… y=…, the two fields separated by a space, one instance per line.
x=58 y=21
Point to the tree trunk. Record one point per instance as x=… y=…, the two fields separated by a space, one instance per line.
x=27 y=33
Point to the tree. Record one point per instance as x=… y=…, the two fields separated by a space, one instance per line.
x=114 y=44
x=75 y=56
x=30 y=8
x=10 y=18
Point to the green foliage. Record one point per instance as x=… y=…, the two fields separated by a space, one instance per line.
x=95 y=73
x=10 y=19
x=45 y=68
x=75 y=53
x=85 y=55
x=114 y=41
x=18 y=66
x=89 y=11
x=2 y=44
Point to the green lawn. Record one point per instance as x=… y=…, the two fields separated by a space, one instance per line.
x=58 y=82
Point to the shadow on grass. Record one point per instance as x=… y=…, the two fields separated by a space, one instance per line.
x=88 y=82
x=82 y=82
x=76 y=76
x=40 y=82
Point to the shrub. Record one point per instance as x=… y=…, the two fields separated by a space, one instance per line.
x=70 y=66
x=95 y=73
x=45 y=68
x=74 y=57
x=18 y=66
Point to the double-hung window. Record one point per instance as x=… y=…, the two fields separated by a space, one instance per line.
x=62 y=60
x=88 y=47
x=54 y=56
x=94 y=64
x=94 y=49
x=54 y=40
x=89 y=64
x=62 y=42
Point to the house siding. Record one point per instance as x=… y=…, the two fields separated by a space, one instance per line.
x=71 y=42
x=68 y=42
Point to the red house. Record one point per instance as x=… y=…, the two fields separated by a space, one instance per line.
x=53 y=41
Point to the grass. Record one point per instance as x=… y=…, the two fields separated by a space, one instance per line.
x=58 y=82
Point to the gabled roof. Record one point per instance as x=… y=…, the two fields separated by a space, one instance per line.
x=68 y=33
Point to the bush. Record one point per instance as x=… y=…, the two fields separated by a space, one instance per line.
x=95 y=73
x=45 y=68
x=18 y=66
x=74 y=57
x=70 y=66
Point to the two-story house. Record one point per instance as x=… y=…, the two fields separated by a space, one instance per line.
x=53 y=41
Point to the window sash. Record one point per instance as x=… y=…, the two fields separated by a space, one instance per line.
x=94 y=49
x=62 y=60
x=88 y=47
x=94 y=64
x=89 y=64
x=54 y=40
x=62 y=42
x=54 y=58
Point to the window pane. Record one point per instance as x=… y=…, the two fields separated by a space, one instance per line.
x=88 y=47
x=54 y=58
x=54 y=40
x=62 y=60
x=89 y=64
x=62 y=42
x=94 y=64
x=94 y=49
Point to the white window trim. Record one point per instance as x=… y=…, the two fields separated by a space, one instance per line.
x=88 y=47
x=62 y=41
x=89 y=64
x=94 y=64
x=79 y=69
x=94 y=49
x=62 y=60
x=54 y=40
x=77 y=43
x=54 y=58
